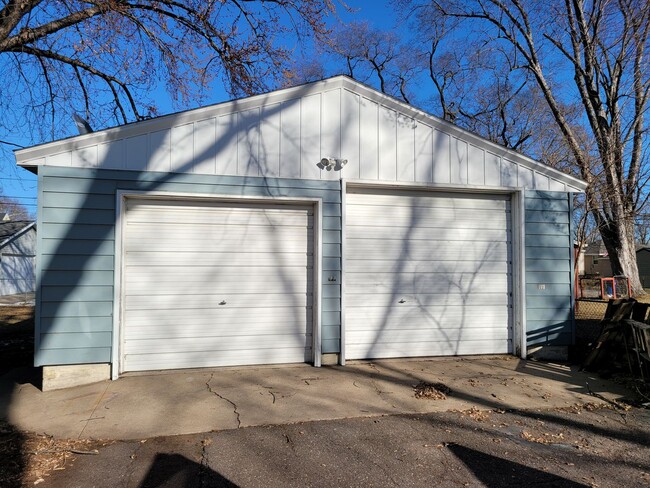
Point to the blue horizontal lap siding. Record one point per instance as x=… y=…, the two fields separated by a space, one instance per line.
x=549 y=313
x=76 y=246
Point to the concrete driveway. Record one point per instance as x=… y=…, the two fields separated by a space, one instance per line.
x=187 y=402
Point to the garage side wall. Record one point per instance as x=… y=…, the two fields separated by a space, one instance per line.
x=76 y=251
x=549 y=302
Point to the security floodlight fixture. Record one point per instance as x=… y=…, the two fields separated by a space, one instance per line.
x=330 y=164
x=324 y=163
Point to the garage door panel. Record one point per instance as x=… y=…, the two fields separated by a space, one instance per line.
x=214 y=214
x=443 y=284
x=204 y=359
x=415 y=198
x=427 y=217
x=449 y=335
x=466 y=236
x=410 y=317
x=420 y=253
x=223 y=232
x=418 y=276
x=215 y=316
x=366 y=300
x=431 y=348
x=190 y=301
x=205 y=282
x=282 y=248
x=221 y=289
x=407 y=251
x=216 y=343
x=216 y=328
x=222 y=260
x=174 y=274
x=430 y=224
x=364 y=269
x=420 y=265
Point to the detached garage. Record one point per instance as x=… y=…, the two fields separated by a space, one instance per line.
x=315 y=224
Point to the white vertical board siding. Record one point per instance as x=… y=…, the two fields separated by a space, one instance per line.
x=368 y=140
x=350 y=128
x=248 y=142
x=205 y=133
x=310 y=136
x=216 y=284
x=387 y=144
x=270 y=141
x=285 y=134
x=427 y=274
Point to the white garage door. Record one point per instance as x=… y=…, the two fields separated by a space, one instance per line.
x=427 y=274
x=215 y=284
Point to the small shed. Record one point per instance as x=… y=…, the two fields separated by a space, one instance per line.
x=318 y=224
x=17 y=254
x=643 y=264
x=596 y=260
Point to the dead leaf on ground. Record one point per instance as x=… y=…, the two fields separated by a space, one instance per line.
x=476 y=414
x=545 y=438
x=31 y=458
x=432 y=391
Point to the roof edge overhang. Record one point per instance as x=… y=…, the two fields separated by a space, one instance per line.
x=21 y=232
x=25 y=157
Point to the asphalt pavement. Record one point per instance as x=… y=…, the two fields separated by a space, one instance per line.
x=572 y=447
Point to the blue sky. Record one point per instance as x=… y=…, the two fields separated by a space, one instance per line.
x=20 y=184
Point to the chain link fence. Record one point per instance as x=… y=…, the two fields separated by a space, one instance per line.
x=589 y=313
x=590 y=309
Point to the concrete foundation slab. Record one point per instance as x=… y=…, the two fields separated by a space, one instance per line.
x=58 y=377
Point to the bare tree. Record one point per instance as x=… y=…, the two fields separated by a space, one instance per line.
x=105 y=58
x=594 y=52
x=369 y=54
x=12 y=209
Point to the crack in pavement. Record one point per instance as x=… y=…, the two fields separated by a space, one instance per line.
x=380 y=393
x=205 y=462
x=234 y=405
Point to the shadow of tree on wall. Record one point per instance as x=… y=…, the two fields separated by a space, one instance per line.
x=54 y=293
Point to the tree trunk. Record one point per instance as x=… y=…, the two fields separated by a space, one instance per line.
x=618 y=238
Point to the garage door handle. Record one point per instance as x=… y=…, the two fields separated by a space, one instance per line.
x=402 y=301
x=222 y=302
